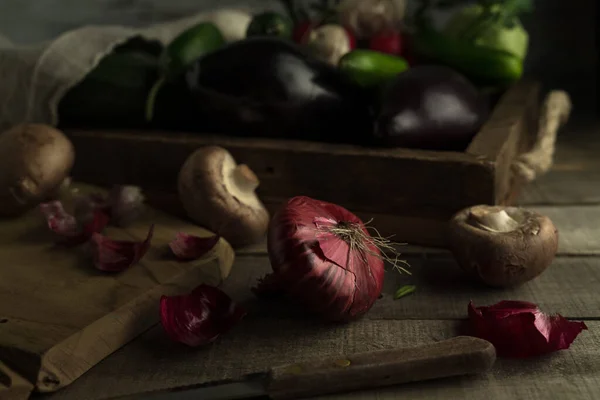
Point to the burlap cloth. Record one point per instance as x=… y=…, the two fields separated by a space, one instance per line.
x=33 y=79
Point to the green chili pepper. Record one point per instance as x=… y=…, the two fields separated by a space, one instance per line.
x=404 y=291
x=369 y=68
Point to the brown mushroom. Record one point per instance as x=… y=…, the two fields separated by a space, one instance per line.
x=502 y=246
x=219 y=194
x=35 y=159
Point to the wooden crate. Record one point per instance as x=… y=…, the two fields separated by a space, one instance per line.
x=408 y=193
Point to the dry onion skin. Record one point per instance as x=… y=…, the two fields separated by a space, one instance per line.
x=220 y=195
x=502 y=246
x=35 y=159
x=519 y=329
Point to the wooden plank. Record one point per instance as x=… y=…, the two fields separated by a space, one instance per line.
x=578 y=228
x=12 y=385
x=509 y=132
x=348 y=175
x=576 y=171
x=152 y=362
x=61 y=315
x=443 y=290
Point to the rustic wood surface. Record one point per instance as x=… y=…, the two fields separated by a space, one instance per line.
x=275 y=334
x=60 y=316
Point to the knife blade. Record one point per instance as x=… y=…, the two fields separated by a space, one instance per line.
x=461 y=355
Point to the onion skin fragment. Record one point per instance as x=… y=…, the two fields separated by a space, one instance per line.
x=519 y=329
x=118 y=255
x=187 y=247
x=70 y=230
x=200 y=317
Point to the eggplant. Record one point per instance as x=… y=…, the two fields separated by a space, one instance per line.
x=268 y=87
x=430 y=107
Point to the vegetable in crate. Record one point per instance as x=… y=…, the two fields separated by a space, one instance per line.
x=367 y=18
x=268 y=87
x=485 y=42
x=186 y=48
x=36 y=159
x=484 y=66
x=430 y=107
x=496 y=27
x=271 y=24
x=389 y=42
x=369 y=68
x=114 y=93
x=324 y=259
x=329 y=43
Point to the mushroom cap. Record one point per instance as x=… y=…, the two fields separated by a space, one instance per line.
x=34 y=161
x=504 y=259
x=214 y=197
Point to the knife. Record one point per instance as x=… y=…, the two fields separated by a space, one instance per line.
x=461 y=355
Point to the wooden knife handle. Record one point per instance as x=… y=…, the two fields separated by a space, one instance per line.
x=457 y=356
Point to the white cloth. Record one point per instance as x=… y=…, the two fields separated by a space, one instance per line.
x=33 y=79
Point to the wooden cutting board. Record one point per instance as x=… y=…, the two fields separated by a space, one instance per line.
x=12 y=385
x=59 y=316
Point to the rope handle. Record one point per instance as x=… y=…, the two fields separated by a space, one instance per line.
x=555 y=113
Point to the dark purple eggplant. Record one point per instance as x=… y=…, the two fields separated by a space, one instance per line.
x=269 y=87
x=430 y=107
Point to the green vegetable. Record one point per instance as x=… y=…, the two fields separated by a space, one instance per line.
x=369 y=68
x=472 y=24
x=190 y=45
x=115 y=91
x=187 y=47
x=404 y=291
x=271 y=24
x=482 y=64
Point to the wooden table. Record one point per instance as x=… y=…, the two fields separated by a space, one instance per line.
x=569 y=194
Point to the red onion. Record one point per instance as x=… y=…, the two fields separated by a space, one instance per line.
x=324 y=258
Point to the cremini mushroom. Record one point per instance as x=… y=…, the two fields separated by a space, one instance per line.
x=502 y=246
x=219 y=194
x=35 y=160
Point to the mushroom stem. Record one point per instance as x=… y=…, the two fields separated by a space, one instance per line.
x=245 y=179
x=493 y=221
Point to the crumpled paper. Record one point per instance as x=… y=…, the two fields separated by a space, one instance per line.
x=33 y=79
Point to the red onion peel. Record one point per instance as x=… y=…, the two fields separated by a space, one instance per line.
x=519 y=329
x=200 y=317
x=69 y=229
x=187 y=247
x=117 y=255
